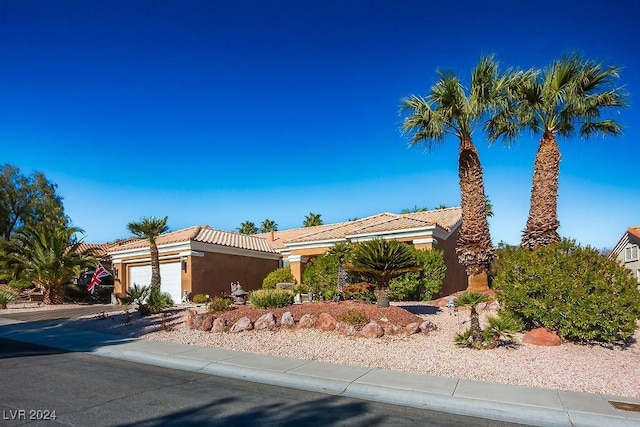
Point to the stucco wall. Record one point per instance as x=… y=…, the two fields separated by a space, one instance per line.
x=455 y=278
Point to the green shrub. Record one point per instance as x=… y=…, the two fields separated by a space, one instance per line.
x=570 y=289
x=20 y=285
x=281 y=275
x=500 y=328
x=353 y=317
x=6 y=296
x=271 y=298
x=423 y=285
x=321 y=275
x=136 y=294
x=158 y=301
x=362 y=291
x=200 y=299
x=220 y=304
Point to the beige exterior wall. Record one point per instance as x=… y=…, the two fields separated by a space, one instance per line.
x=455 y=278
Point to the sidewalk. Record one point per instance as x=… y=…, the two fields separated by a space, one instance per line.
x=533 y=406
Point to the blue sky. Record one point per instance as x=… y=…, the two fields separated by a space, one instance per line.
x=219 y=112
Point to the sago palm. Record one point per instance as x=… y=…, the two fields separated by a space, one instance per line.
x=568 y=97
x=452 y=109
x=382 y=260
x=150 y=228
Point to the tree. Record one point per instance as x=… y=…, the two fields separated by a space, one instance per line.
x=47 y=256
x=571 y=92
x=312 y=220
x=268 y=225
x=150 y=228
x=414 y=210
x=247 y=227
x=382 y=260
x=341 y=251
x=471 y=300
x=451 y=109
x=28 y=200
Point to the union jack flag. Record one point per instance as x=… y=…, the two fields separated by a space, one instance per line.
x=97 y=277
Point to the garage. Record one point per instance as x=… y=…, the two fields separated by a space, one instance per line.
x=170 y=278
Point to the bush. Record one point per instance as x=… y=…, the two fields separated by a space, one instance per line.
x=353 y=317
x=281 y=275
x=321 y=275
x=570 y=289
x=423 y=285
x=220 y=304
x=360 y=291
x=20 y=285
x=158 y=301
x=271 y=298
x=200 y=299
x=6 y=296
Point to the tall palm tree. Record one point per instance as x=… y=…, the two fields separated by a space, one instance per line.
x=452 y=109
x=247 y=227
x=382 y=260
x=150 y=228
x=341 y=251
x=47 y=256
x=312 y=220
x=268 y=225
x=570 y=93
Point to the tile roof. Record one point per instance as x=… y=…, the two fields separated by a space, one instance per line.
x=634 y=231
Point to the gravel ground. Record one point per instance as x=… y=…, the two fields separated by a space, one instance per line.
x=569 y=367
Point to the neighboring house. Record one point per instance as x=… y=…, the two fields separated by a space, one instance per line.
x=626 y=251
x=204 y=260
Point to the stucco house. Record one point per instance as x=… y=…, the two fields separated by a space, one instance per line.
x=205 y=260
x=626 y=251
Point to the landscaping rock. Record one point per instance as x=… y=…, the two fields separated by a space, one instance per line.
x=541 y=336
x=286 y=321
x=427 y=326
x=207 y=322
x=266 y=321
x=391 y=329
x=326 y=322
x=219 y=325
x=372 y=330
x=243 y=324
x=346 y=329
x=189 y=315
x=412 y=328
x=307 y=321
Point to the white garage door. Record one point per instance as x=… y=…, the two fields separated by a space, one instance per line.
x=170 y=279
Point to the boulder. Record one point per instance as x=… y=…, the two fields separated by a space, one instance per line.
x=412 y=328
x=243 y=324
x=391 y=329
x=307 y=321
x=346 y=329
x=189 y=316
x=266 y=321
x=207 y=322
x=372 y=330
x=286 y=321
x=326 y=322
x=427 y=326
x=219 y=325
x=541 y=336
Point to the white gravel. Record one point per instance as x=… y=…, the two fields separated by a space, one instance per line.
x=568 y=367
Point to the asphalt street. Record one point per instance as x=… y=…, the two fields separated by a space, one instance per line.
x=85 y=390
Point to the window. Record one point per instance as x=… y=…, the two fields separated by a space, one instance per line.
x=631 y=253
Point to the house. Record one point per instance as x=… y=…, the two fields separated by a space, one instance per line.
x=626 y=251
x=204 y=260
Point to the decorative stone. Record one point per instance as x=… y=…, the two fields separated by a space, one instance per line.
x=391 y=329
x=326 y=322
x=372 y=330
x=189 y=315
x=286 y=321
x=346 y=329
x=266 y=321
x=243 y=324
x=427 y=326
x=541 y=336
x=219 y=325
x=412 y=328
x=307 y=321
x=207 y=322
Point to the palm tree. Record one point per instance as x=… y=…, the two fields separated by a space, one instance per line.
x=247 y=227
x=382 y=260
x=312 y=220
x=47 y=256
x=571 y=92
x=471 y=300
x=341 y=251
x=150 y=228
x=452 y=109
x=268 y=225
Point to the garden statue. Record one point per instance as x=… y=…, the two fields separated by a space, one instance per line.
x=238 y=293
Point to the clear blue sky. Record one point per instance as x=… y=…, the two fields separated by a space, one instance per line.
x=219 y=112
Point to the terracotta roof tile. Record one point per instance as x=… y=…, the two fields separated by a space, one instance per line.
x=634 y=231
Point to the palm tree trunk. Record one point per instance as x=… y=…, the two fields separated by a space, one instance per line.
x=542 y=224
x=475 y=326
x=475 y=250
x=342 y=276
x=155 y=266
x=53 y=295
x=382 y=295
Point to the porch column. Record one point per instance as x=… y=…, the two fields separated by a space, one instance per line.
x=118 y=278
x=297 y=263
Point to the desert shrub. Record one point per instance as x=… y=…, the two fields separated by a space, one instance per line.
x=501 y=328
x=571 y=289
x=362 y=291
x=281 y=275
x=422 y=285
x=220 y=304
x=200 y=299
x=20 y=284
x=353 y=317
x=136 y=294
x=321 y=275
x=148 y=301
x=158 y=301
x=271 y=298
x=6 y=296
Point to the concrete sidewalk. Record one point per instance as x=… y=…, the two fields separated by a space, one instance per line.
x=533 y=406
